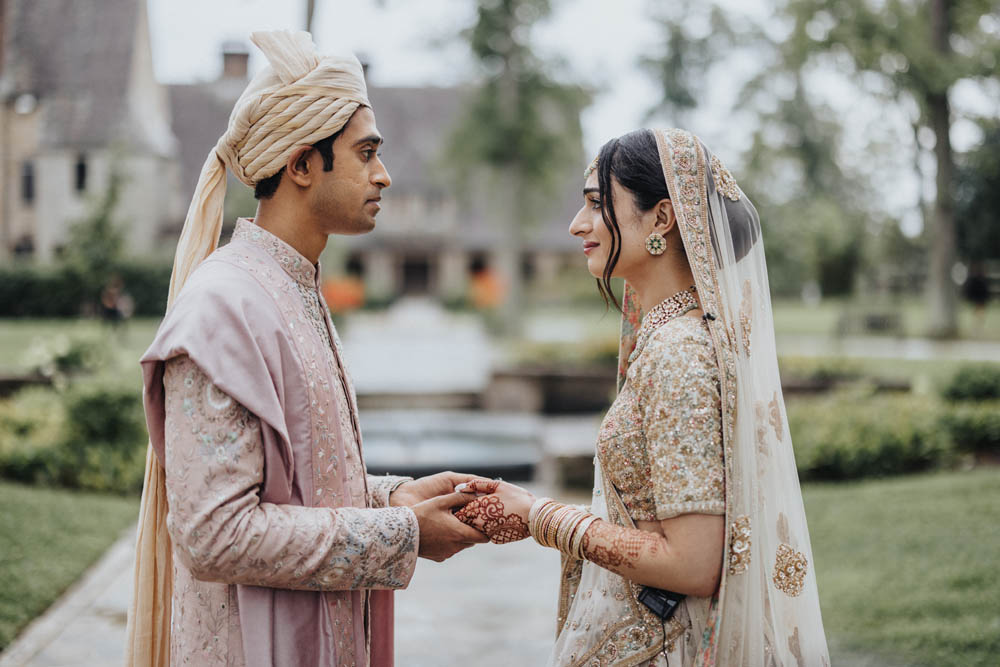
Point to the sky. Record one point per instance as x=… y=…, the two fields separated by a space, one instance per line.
x=596 y=43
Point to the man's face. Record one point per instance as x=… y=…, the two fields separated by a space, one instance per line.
x=346 y=199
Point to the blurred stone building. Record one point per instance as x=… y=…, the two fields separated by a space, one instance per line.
x=428 y=239
x=78 y=98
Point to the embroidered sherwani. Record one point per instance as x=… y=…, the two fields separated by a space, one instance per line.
x=659 y=455
x=285 y=550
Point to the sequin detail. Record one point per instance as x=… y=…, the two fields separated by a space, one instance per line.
x=790 y=568
x=725 y=184
x=661 y=442
x=746 y=317
x=739 y=545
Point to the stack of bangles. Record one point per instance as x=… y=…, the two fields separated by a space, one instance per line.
x=559 y=526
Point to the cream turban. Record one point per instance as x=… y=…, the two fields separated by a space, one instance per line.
x=298 y=99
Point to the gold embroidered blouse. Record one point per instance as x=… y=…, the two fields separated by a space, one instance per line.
x=661 y=442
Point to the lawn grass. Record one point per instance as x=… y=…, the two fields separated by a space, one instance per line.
x=48 y=538
x=19 y=336
x=794 y=317
x=907 y=567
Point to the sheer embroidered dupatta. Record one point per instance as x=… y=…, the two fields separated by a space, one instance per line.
x=767 y=612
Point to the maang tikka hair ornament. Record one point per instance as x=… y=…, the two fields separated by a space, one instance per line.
x=655 y=244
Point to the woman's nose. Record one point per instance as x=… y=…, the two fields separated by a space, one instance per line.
x=579 y=224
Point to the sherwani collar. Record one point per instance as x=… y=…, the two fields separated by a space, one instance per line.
x=291 y=260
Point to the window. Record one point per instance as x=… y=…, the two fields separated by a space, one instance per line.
x=355 y=266
x=28 y=182
x=81 y=173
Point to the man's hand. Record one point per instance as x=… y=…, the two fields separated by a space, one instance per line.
x=409 y=494
x=441 y=534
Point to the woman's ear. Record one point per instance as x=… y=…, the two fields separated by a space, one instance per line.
x=666 y=220
x=297 y=166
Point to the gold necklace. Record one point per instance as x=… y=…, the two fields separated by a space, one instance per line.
x=668 y=309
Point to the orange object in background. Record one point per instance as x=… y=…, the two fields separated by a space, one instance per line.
x=486 y=290
x=343 y=294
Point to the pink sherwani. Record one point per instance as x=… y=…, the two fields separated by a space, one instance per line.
x=285 y=551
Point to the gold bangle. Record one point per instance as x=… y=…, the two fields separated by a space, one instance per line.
x=541 y=521
x=577 y=547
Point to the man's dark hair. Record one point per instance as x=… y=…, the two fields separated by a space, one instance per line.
x=266 y=188
x=634 y=161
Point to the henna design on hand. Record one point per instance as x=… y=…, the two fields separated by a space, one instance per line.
x=486 y=514
x=616 y=548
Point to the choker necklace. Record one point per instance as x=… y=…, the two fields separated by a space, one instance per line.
x=668 y=309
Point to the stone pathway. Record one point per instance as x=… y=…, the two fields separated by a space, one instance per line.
x=491 y=606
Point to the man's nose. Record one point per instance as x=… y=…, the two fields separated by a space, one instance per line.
x=381 y=176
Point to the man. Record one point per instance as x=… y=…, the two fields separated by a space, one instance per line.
x=283 y=550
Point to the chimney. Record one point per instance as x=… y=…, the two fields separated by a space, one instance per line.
x=234 y=60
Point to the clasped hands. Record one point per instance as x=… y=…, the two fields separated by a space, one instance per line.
x=456 y=511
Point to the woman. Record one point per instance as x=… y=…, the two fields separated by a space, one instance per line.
x=696 y=491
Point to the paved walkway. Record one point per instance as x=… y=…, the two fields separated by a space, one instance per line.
x=492 y=606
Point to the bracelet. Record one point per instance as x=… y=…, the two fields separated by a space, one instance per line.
x=559 y=526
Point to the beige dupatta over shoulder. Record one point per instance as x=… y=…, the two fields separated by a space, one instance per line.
x=766 y=612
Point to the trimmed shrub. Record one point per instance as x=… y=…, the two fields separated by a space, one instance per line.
x=974 y=427
x=27 y=290
x=979 y=382
x=852 y=436
x=94 y=438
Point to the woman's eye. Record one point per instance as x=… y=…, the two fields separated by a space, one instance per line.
x=595 y=204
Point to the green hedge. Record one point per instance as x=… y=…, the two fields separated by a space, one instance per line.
x=979 y=382
x=853 y=436
x=59 y=291
x=974 y=427
x=91 y=437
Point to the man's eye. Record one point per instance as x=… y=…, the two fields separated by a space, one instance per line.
x=368 y=152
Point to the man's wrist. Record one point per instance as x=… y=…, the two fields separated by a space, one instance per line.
x=397 y=494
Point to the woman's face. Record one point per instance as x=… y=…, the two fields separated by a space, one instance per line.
x=635 y=226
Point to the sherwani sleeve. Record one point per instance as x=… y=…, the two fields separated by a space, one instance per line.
x=222 y=531
x=380 y=487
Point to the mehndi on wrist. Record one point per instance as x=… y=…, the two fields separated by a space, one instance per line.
x=559 y=526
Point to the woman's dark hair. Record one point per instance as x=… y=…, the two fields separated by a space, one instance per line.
x=634 y=160
x=265 y=189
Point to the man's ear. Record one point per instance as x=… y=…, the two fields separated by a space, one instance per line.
x=297 y=167
x=666 y=219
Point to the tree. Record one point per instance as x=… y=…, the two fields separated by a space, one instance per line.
x=96 y=243
x=815 y=220
x=519 y=126
x=921 y=49
x=978 y=197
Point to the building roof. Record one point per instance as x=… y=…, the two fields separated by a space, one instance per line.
x=416 y=123
x=200 y=114
x=76 y=58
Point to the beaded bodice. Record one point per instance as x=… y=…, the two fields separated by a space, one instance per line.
x=660 y=443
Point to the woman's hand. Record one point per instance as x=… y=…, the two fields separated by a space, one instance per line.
x=502 y=515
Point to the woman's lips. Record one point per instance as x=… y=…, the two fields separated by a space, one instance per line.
x=588 y=246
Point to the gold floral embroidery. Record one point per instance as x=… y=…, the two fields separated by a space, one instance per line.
x=725 y=184
x=789 y=570
x=795 y=648
x=774 y=408
x=739 y=546
x=746 y=316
